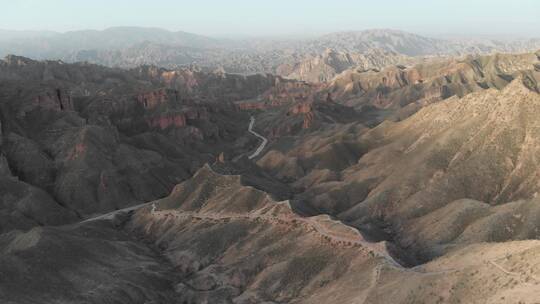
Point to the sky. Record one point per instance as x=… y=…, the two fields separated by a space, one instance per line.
x=279 y=17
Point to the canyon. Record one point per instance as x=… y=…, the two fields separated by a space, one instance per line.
x=356 y=167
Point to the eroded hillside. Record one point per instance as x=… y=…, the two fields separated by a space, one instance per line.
x=407 y=184
x=215 y=240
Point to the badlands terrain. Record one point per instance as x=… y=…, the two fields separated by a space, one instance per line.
x=387 y=168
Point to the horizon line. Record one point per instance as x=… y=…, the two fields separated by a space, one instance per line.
x=440 y=35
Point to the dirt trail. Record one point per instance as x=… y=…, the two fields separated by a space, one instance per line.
x=522 y=276
x=264 y=140
x=112 y=214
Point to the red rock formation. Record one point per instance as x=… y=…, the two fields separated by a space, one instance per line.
x=57 y=100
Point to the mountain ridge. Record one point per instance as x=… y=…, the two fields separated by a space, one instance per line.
x=132 y=46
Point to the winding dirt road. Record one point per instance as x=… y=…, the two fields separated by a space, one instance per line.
x=264 y=140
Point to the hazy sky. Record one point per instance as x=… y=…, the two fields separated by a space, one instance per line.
x=278 y=17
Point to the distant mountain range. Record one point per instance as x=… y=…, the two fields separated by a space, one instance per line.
x=314 y=59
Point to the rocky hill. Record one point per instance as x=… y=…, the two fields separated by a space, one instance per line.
x=456 y=172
